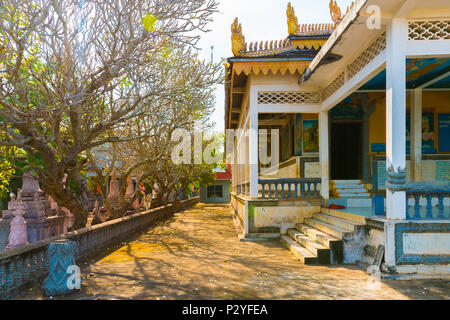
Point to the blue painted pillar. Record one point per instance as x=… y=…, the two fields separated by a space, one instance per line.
x=64 y=276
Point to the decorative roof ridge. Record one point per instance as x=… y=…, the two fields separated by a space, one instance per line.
x=294 y=28
x=315 y=29
x=263 y=48
x=260 y=48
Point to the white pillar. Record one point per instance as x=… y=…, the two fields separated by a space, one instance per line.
x=396 y=112
x=416 y=135
x=323 y=152
x=253 y=149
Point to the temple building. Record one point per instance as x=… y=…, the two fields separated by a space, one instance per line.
x=219 y=190
x=341 y=136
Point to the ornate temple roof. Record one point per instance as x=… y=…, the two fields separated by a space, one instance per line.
x=292 y=55
x=301 y=37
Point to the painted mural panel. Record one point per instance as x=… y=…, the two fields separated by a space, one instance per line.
x=310 y=136
x=428 y=134
x=444 y=132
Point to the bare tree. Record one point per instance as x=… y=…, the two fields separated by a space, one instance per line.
x=187 y=103
x=71 y=76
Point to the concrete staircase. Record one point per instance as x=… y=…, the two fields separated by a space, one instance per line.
x=350 y=193
x=348 y=189
x=327 y=237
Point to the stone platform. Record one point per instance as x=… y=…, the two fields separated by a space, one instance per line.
x=197 y=255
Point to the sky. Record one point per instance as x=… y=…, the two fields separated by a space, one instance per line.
x=261 y=20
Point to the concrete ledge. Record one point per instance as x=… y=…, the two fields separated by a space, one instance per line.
x=261 y=237
x=416 y=272
x=345 y=215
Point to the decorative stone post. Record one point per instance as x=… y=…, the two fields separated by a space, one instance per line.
x=114 y=189
x=30 y=183
x=18 y=231
x=8 y=214
x=63 y=277
x=130 y=188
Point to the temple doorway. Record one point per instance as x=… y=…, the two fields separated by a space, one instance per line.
x=346 y=150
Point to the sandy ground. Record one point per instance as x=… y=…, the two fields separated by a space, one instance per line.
x=197 y=255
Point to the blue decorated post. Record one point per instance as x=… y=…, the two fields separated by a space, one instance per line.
x=64 y=274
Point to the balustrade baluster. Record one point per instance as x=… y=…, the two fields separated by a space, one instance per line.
x=441 y=206
x=429 y=206
x=263 y=186
x=282 y=190
x=289 y=190
x=33 y=265
x=9 y=278
x=2 y=278
x=296 y=190
x=407 y=209
x=18 y=270
x=417 y=206
x=25 y=268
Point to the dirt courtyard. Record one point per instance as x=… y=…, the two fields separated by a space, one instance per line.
x=197 y=255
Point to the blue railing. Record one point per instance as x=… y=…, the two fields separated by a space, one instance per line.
x=428 y=191
x=291 y=188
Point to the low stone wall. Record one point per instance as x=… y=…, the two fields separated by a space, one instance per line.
x=23 y=266
x=268 y=218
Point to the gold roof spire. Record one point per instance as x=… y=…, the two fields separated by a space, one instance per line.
x=292 y=20
x=237 y=38
x=335 y=12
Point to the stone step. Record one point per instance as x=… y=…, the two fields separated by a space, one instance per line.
x=334 y=244
x=316 y=234
x=332 y=230
x=350 y=202
x=341 y=182
x=348 y=186
x=305 y=256
x=351 y=190
x=339 y=222
x=355 y=195
x=345 y=215
x=322 y=252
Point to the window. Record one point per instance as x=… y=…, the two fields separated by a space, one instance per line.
x=215 y=191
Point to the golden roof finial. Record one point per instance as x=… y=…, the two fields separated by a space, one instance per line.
x=237 y=38
x=335 y=12
x=292 y=20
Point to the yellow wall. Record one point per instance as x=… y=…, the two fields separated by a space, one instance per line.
x=377 y=126
x=433 y=102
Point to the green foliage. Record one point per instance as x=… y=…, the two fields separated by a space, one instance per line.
x=7 y=167
x=149 y=22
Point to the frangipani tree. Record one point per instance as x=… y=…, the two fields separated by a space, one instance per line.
x=73 y=72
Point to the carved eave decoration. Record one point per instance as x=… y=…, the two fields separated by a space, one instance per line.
x=265 y=67
x=309 y=44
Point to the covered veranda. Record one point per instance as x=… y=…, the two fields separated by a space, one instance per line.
x=410 y=32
